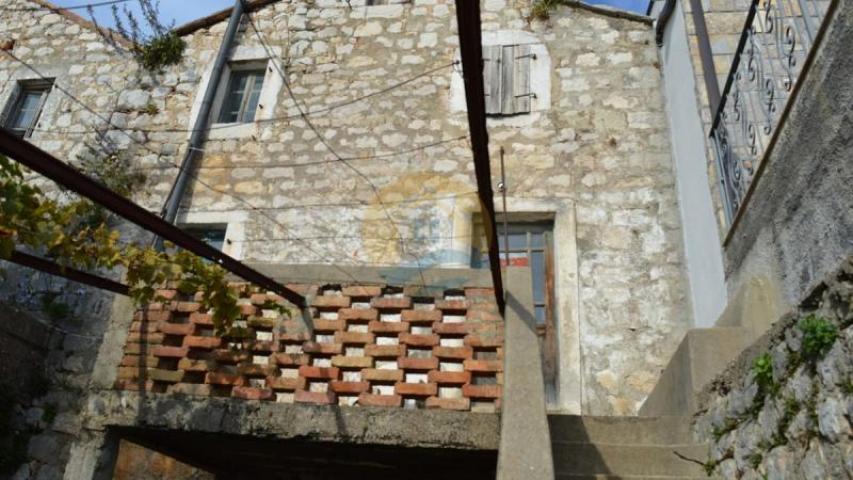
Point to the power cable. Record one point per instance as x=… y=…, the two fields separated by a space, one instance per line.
x=322 y=139
x=85 y=6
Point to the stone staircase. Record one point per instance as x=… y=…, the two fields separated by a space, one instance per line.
x=630 y=448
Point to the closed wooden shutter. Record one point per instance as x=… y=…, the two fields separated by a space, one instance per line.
x=506 y=78
x=492 y=79
x=521 y=79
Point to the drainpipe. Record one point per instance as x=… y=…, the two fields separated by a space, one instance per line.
x=170 y=210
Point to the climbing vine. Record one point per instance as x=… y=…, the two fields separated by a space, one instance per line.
x=73 y=236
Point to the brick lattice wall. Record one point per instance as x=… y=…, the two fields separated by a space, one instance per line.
x=371 y=345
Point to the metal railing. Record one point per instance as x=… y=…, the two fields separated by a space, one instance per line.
x=776 y=40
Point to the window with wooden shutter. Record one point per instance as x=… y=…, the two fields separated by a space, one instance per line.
x=506 y=76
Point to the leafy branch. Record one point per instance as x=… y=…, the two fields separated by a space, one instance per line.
x=67 y=233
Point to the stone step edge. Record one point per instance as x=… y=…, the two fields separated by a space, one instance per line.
x=638 y=445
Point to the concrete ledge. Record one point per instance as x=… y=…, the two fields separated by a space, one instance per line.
x=702 y=355
x=354 y=425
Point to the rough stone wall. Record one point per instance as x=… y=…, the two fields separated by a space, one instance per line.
x=801 y=428
x=601 y=143
x=368 y=345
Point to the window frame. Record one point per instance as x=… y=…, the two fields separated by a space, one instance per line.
x=197 y=230
x=14 y=106
x=234 y=69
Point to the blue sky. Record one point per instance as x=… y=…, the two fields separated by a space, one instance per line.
x=182 y=11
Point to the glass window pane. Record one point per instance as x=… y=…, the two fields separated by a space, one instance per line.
x=517 y=240
x=540 y=315
x=27 y=110
x=537 y=264
x=215 y=237
x=537 y=240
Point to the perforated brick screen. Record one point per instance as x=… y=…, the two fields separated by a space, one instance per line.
x=370 y=345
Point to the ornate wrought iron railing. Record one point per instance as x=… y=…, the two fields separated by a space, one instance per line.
x=776 y=40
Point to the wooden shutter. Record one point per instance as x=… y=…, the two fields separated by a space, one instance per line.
x=507 y=74
x=492 y=79
x=521 y=79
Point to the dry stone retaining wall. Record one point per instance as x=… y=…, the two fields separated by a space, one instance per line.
x=797 y=424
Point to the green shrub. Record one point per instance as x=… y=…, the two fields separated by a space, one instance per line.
x=818 y=336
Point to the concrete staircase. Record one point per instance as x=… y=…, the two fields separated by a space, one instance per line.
x=630 y=448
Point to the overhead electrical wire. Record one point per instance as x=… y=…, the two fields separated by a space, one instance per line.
x=321 y=138
x=84 y=6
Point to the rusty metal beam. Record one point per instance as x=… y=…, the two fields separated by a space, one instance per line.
x=471 y=45
x=53 y=268
x=42 y=162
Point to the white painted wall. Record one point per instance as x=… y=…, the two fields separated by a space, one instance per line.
x=702 y=245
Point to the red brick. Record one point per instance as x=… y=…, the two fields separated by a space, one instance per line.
x=218 y=378
x=353 y=338
x=151 y=317
x=300 y=288
x=385 y=351
x=193 y=389
x=323 y=325
x=482 y=391
x=201 y=318
x=487 y=293
x=358 y=314
x=252 y=393
x=289 y=359
x=133 y=385
x=352 y=362
x=412 y=363
x=330 y=301
x=134 y=361
x=206 y=343
x=177 y=328
x=485 y=328
x=391 y=303
x=377 y=375
x=451 y=378
x=483 y=316
x=230 y=356
x=459 y=328
x=421 y=316
x=149 y=326
x=418 y=340
x=388 y=327
x=167 y=376
x=128 y=373
x=483 y=365
x=348 y=387
x=458 y=353
x=255 y=371
x=320 y=398
x=192 y=365
x=371 y=400
x=247 y=309
x=260 y=346
x=362 y=291
x=149 y=338
x=165 y=295
x=136 y=349
x=331 y=373
x=261 y=323
x=294 y=337
x=169 y=352
x=415 y=389
x=322 y=348
x=289 y=384
x=258 y=298
x=188 y=307
x=460 y=404
x=484 y=341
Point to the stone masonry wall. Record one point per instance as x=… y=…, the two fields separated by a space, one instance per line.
x=600 y=143
x=370 y=346
x=799 y=424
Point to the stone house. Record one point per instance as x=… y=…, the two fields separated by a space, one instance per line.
x=336 y=157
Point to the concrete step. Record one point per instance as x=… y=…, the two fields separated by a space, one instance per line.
x=627 y=460
x=620 y=430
